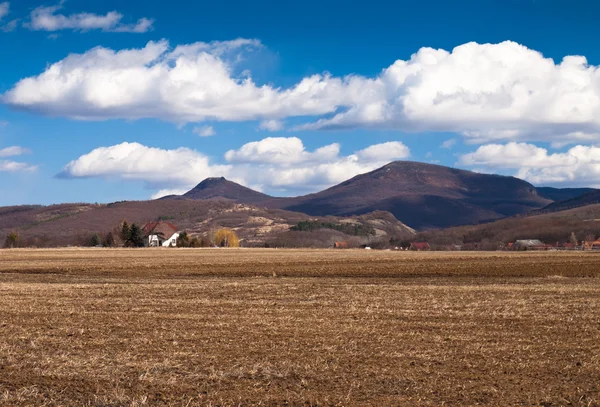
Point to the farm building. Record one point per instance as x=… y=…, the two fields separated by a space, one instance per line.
x=530 y=244
x=340 y=245
x=160 y=234
x=420 y=246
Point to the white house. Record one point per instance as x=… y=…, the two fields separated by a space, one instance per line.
x=160 y=234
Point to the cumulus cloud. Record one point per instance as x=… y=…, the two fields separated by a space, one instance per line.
x=205 y=131
x=47 y=19
x=485 y=92
x=271 y=125
x=134 y=161
x=579 y=165
x=282 y=151
x=13 y=151
x=389 y=151
x=190 y=83
x=272 y=164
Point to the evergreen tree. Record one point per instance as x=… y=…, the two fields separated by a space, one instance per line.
x=109 y=240
x=136 y=237
x=95 y=241
x=183 y=240
x=125 y=232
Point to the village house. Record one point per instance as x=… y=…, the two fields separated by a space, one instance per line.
x=567 y=246
x=420 y=246
x=591 y=245
x=160 y=234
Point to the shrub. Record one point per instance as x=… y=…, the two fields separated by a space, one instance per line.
x=12 y=240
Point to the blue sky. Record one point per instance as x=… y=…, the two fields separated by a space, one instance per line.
x=290 y=98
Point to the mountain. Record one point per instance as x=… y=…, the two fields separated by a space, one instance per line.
x=562 y=194
x=220 y=188
x=423 y=196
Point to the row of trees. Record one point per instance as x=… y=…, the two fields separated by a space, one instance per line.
x=351 y=229
x=221 y=238
x=123 y=235
x=132 y=236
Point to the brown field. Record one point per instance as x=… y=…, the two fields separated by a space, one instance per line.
x=298 y=328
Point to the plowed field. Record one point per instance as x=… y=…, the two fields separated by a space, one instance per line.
x=180 y=327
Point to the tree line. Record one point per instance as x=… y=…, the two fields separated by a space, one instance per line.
x=350 y=229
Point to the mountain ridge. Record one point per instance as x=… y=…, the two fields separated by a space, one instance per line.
x=423 y=196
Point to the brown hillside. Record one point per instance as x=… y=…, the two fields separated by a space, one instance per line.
x=549 y=228
x=75 y=224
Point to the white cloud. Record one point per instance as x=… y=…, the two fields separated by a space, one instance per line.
x=13 y=151
x=272 y=164
x=4 y=9
x=47 y=19
x=271 y=125
x=282 y=151
x=13 y=166
x=166 y=192
x=205 y=131
x=579 y=165
x=448 y=144
x=485 y=92
x=133 y=161
x=191 y=83
x=390 y=151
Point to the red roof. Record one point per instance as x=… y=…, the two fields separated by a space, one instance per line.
x=421 y=245
x=166 y=229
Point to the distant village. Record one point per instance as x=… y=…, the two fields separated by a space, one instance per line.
x=518 y=245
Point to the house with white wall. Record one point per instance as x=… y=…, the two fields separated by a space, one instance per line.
x=160 y=234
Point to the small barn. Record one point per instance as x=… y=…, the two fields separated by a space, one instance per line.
x=530 y=244
x=160 y=234
x=340 y=245
x=420 y=246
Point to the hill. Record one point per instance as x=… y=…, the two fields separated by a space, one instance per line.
x=562 y=194
x=423 y=196
x=548 y=227
x=75 y=224
x=590 y=198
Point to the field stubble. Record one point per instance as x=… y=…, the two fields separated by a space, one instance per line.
x=298 y=328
